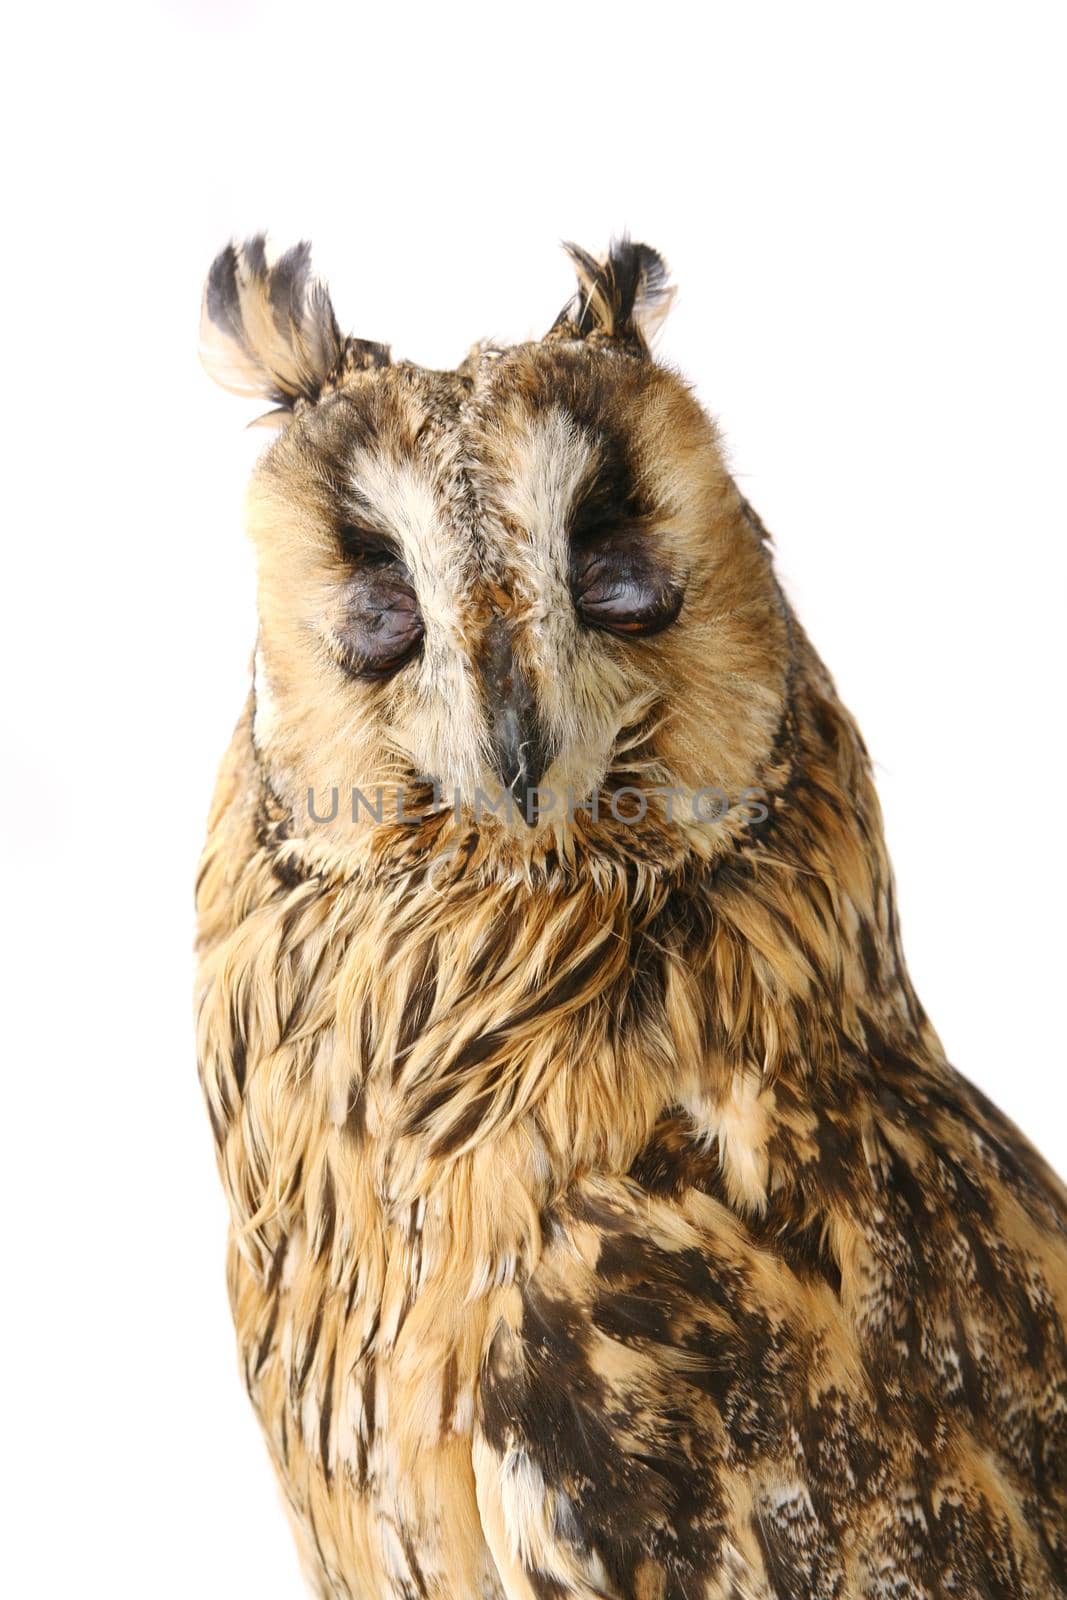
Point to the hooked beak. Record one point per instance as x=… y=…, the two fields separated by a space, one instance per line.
x=518 y=752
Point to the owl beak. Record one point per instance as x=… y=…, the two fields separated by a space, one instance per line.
x=518 y=752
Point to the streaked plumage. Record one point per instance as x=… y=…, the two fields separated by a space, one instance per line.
x=606 y=1218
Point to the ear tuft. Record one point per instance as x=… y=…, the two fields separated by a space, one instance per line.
x=268 y=330
x=623 y=299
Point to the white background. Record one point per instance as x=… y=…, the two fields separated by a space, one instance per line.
x=863 y=207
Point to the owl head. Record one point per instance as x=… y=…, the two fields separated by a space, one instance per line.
x=524 y=593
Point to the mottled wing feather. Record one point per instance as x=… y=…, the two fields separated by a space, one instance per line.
x=682 y=1403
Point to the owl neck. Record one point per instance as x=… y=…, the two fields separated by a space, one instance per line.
x=581 y=1009
x=782 y=960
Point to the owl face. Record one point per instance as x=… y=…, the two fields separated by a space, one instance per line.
x=512 y=590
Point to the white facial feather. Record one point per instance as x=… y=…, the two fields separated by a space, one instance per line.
x=404 y=499
x=549 y=460
x=266 y=716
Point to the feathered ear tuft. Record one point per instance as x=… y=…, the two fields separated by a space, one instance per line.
x=269 y=330
x=623 y=299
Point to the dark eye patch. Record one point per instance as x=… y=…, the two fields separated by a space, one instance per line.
x=381 y=627
x=366 y=545
x=611 y=504
x=617 y=583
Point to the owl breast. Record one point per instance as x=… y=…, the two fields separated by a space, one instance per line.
x=369 y=1422
x=364 y=1274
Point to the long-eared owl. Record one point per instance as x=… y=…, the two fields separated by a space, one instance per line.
x=606 y=1219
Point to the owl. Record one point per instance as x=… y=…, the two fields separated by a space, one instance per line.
x=606 y=1220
